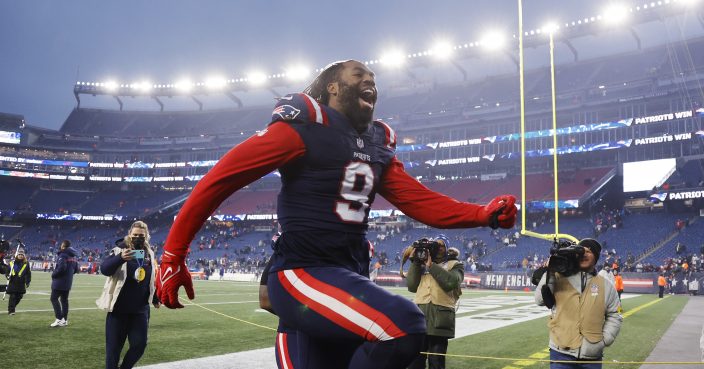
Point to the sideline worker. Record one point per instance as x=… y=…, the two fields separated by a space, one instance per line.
x=585 y=316
x=436 y=282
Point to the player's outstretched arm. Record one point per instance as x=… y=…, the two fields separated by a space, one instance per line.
x=438 y=210
x=257 y=156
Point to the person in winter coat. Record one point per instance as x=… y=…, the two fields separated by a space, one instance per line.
x=129 y=288
x=584 y=300
x=19 y=277
x=61 y=281
x=436 y=283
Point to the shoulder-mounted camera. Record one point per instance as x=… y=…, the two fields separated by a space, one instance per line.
x=564 y=257
x=423 y=249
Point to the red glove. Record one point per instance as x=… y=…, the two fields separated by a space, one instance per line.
x=173 y=273
x=500 y=212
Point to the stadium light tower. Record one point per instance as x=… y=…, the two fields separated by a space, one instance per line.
x=550 y=28
x=493 y=40
x=215 y=83
x=184 y=85
x=144 y=86
x=297 y=73
x=442 y=50
x=615 y=14
x=394 y=59
x=256 y=78
x=111 y=85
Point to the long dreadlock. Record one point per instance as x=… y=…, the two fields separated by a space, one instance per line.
x=318 y=89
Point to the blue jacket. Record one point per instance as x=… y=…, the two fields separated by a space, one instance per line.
x=66 y=267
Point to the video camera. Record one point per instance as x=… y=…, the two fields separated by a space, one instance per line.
x=564 y=257
x=423 y=249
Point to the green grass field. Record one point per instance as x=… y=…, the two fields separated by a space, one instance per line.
x=194 y=332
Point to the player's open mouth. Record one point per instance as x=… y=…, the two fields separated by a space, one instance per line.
x=367 y=97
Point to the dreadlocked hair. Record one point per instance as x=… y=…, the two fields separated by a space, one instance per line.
x=318 y=89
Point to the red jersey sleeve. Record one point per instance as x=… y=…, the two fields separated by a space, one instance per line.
x=244 y=164
x=425 y=205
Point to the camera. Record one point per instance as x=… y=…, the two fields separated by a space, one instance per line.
x=564 y=257
x=423 y=249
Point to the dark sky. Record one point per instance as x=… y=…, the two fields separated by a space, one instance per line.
x=46 y=45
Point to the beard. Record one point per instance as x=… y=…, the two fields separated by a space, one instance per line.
x=359 y=116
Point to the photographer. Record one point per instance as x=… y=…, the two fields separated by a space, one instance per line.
x=128 y=290
x=19 y=276
x=584 y=306
x=61 y=282
x=435 y=277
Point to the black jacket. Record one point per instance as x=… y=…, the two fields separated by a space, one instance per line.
x=19 y=282
x=66 y=267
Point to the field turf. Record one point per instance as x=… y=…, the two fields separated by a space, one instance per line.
x=195 y=332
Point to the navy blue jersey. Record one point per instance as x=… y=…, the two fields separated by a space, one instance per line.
x=330 y=175
x=327 y=193
x=333 y=185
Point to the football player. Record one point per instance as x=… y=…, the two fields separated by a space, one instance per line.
x=333 y=159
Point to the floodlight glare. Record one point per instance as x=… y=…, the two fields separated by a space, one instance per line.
x=184 y=85
x=256 y=78
x=550 y=27
x=297 y=73
x=110 y=85
x=615 y=13
x=442 y=50
x=394 y=58
x=493 y=40
x=143 y=86
x=215 y=83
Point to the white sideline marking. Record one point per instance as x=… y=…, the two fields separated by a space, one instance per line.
x=96 y=308
x=254 y=359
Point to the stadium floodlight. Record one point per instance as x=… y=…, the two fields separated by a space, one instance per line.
x=215 y=83
x=184 y=85
x=493 y=40
x=550 y=27
x=442 y=50
x=394 y=58
x=297 y=73
x=688 y=2
x=256 y=78
x=144 y=86
x=110 y=85
x=615 y=13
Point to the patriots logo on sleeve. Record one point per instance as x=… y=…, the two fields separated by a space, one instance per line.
x=299 y=107
x=285 y=112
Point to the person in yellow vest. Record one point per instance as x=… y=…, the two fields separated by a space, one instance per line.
x=20 y=276
x=584 y=318
x=436 y=282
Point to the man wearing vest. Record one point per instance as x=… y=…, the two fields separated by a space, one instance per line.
x=19 y=277
x=585 y=316
x=436 y=283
